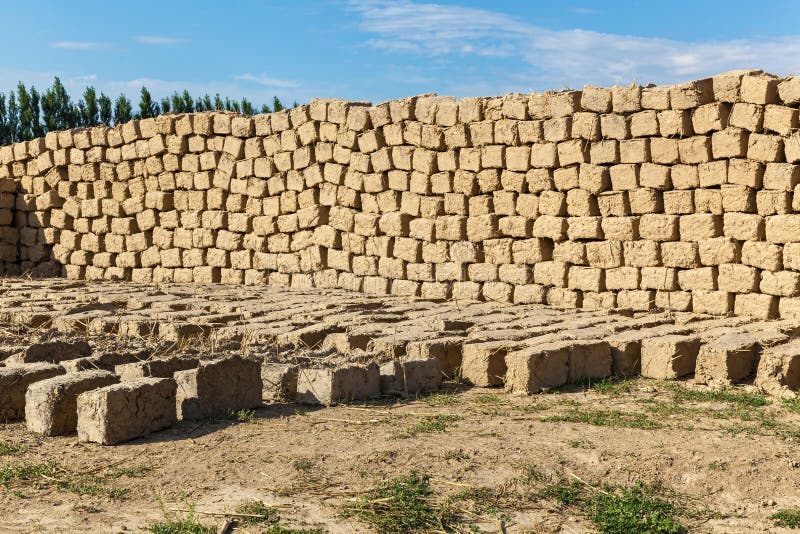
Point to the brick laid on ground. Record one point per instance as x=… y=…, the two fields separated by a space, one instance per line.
x=217 y=387
x=779 y=368
x=51 y=405
x=279 y=381
x=332 y=385
x=410 y=376
x=157 y=368
x=54 y=352
x=483 y=363
x=535 y=369
x=14 y=382
x=125 y=411
x=669 y=357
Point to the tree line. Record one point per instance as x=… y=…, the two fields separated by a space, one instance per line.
x=26 y=114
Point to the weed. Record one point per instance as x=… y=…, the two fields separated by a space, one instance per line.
x=788 y=517
x=50 y=474
x=241 y=416
x=530 y=475
x=485 y=501
x=440 y=399
x=600 y=417
x=633 y=508
x=181 y=525
x=486 y=398
x=304 y=464
x=431 y=424
x=565 y=492
x=793 y=405
x=9 y=448
x=581 y=444
x=733 y=396
x=266 y=514
x=403 y=504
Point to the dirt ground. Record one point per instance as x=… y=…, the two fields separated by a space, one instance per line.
x=729 y=459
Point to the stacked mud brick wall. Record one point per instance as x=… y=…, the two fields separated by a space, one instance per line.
x=679 y=197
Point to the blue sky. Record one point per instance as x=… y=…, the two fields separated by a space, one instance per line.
x=377 y=50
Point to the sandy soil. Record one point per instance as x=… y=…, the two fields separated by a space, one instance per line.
x=731 y=464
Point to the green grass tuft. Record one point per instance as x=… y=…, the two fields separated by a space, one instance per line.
x=431 y=424
x=51 y=475
x=266 y=514
x=241 y=416
x=733 y=396
x=788 y=517
x=598 y=417
x=9 y=448
x=635 y=508
x=565 y=492
x=182 y=525
x=793 y=405
x=401 y=505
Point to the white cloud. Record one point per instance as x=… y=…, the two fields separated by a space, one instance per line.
x=556 y=58
x=266 y=81
x=79 y=45
x=158 y=40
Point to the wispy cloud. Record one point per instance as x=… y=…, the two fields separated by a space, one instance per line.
x=554 y=58
x=79 y=45
x=266 y=81
x=158 y=40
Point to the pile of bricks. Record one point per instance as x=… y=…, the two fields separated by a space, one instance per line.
x=674 y=197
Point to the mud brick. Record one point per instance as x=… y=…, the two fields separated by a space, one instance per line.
x=14 y=383
x=410 y=377
x=771 y=202
x=644 y=124
x=217 y=387
x=766 y=148
x=655 y=97
x=738 y=198
x=532 y=370
x=695 y=149
x=624 y=177
x=719 y=250
x=655 y=176
x=586 y=278
x=783 y=228
x=762 y=255
x=700 y=226
x=586 y=126
x=756 y=305
x=614 y=126
x=781 y=176
x=51 y=404
x=780 y=119
x=674 y=123
x=634 y=151
x=729 y=143
x=704 y=278
x=642 y=253
x=712 y=302
x=544 y=155
x=759 y=89
x=659 y=227
x=728 y=359
x=636 y=300
x=780 y=283
x=564 y=298
x=749 y=117
x=161 y=368
x=334 y=385
x=779 y=368
x=644 y=200
x=735 y=278
x=661 y=278
x=679 y=202
x=53 y=352
x=669 y=357
x=622 y=278
x=121 y=412
x=604 y=254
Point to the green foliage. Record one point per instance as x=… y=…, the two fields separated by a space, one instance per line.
x=147 y=107
x=264 y=513
x=401 y=505
x=793 y=405
x=565 y=492
x=431 y=424
x=26 y=114
x=598 y=417
x=788 y=517
x=123 y=111
x=51 y=475
x=741 y=398
x=181 y=525
x=633 y=509
x=8 y=448
x=241 y=416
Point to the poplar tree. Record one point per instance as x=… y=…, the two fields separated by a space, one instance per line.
x=106 y=113
x=218 y=105
x=25 y=129
x=147 y=108
x=247 y=107
x=57 y=111
x=265 y=108
x=38 y=127
x=91 y=111
x=122 y=109
x=13 y=118
x=276 y=104
x=5 y=137
x=165 y=105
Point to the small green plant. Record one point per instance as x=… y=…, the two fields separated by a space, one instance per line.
x=565 y=492
x=181 y=525
x=255 y=512
x=431 y=424
x=732 y=396
x=793 y=405
x=530 y=475
x=241 y=416
x=486 y=398
x=401 y=505
x=9 y=448
x=635 y=508
x=440 y=399
x=788 y=517
x=485 y=501
x=600 y=417
x=304 y=465
x=51 y=475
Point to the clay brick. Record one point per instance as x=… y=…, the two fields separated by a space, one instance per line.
x=669 y=357
x=14 y=383
x=218 y=386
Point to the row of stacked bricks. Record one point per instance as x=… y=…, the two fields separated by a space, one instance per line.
x=679 y=197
